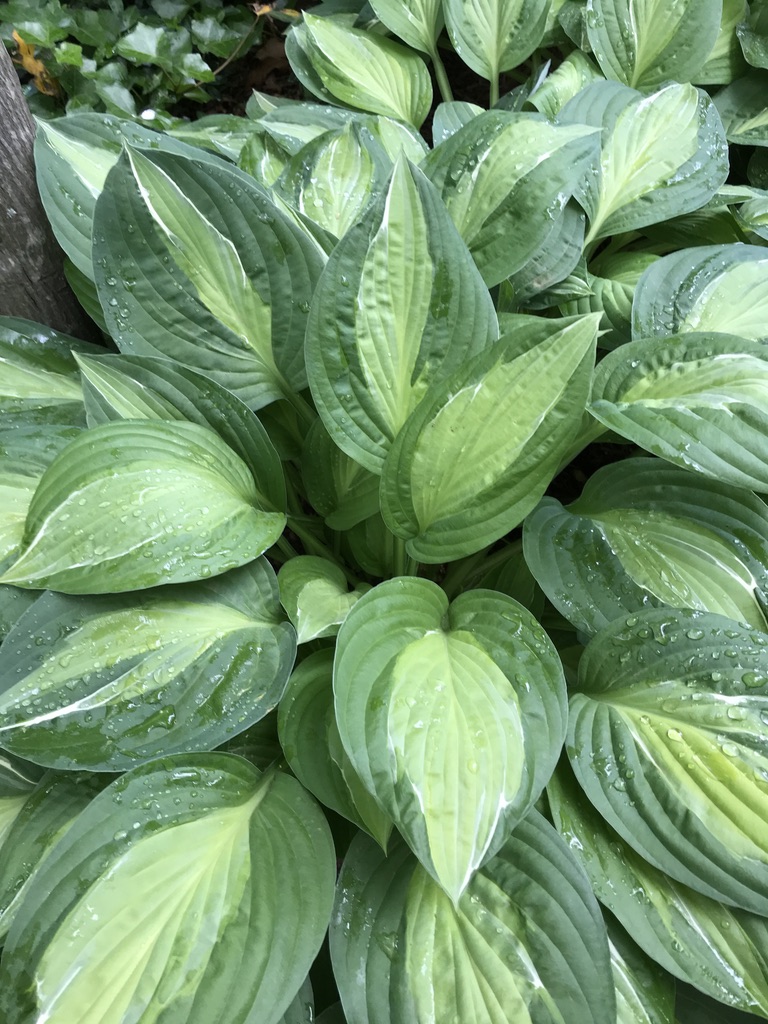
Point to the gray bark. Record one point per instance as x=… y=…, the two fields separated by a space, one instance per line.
x=32 y=282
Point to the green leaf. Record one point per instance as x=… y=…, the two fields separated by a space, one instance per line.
x=752 y=34
x=645 y=533
x=213 y=275
x=504 y=177
x=663 y=154
x=725 y=61
x=315 y=595
x=103 y=683
x=568 y=79
x=667 y=737
x=480 y=449
x=122 y=923
x=312 y=746
x=706 y=288
x=492 y=36
x=718 y=949
x=332 y=179
x=373 y=350
x=336 y=486
x=417 y=22
x=45 y=817
x=645 y=44
x=136 y=503
x=525 y=943
x=451 y=716
x=135 y=387
x=612 y=283
x=360 y=69
x=744 y=110
x=697 y=400
x=450 y=117
x=694 y=1007
x=645 y=994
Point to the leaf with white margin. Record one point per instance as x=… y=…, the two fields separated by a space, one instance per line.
x=316 y=596
x=562 y=84
x=480 y=449
x=666 y=736
x=503 y=178
x=451 y=716
x=123 y=924
x=104 y=683
x=369 y=72
x=212 y=273
x=720 y=288
x=644 y=533
x=663 y=154
x=311 y=744
x=699 y=401
x=492 y=36
x=645 y=994
x=646 y=43
x=137 y=503
x=525 y=943
x=743 y=108
x=398 y=306
x=718 y=949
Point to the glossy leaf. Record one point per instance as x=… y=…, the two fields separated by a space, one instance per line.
x=315 y=595
x=136 y=503
x=312 y=746
x=725 y=62
x=645 y=533
x=416 y=22
x=705 y=288
x=360 y=70
x=645 y=44
x=744 y=110
x=213 y=275
x=373 y=350
x=451 y=716
x=339 y=488
x=612 y=283
x=663 y=154
x=524 y=943
x=645 y=994
x=666 y=735
x=104 y=683
x=697 y=400
x=504 y=178
x=562 y=84
x=137 y=927
x=717 y=949
x=482 y=446
x=492 y=36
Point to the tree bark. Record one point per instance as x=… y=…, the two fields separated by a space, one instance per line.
x=32 y=282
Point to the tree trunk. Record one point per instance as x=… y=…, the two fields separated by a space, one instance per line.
x=32 y=282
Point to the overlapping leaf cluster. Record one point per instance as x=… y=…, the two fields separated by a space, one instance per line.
x=539 y=731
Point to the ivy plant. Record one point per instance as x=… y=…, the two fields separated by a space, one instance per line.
x=384 y=603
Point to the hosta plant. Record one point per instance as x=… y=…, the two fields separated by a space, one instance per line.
x=384 y=603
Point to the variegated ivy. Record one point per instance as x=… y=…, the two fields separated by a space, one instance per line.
x=314 y=527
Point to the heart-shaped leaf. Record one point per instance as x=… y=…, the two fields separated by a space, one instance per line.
x=451 y=716
x=315 y=594
x=492 y=36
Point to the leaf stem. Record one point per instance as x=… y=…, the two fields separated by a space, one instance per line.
x=494 y=97
x=440 y=74
x=404 y=565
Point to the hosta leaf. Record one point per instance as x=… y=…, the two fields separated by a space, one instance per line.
x=104 y=683
x=332 y=1015
x=744 y=109
x=480 y=449
x=361 y=70
x=332 y=179
x=667 y=737
x=646 y=533
x=451 y=716
x=449 y=117
x=136 y=503
x=492 y=36
x=211 y=273
x=399 y=305
x=716 y=948
x=16 y=788
x=73 y=156
x=339 y=488
x=504 y=177
x=138 y=928
x=612 y=282
x=525 y=942
x=753 y=34
x=302 y=1008
x=725 y=61
x=315 y=595
x=568 y=79
x=697 y=400
x=553 y=261
x=137 y=387
x=645 y=994
x=258 y=744
x=705 y=288
x=663 y=154
x=312 y=747
x=416 y=22
x=45 y=817
x=645 y=43
x=264 y=158
x=693 y=1007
